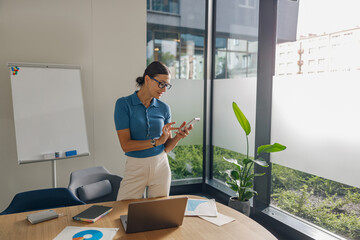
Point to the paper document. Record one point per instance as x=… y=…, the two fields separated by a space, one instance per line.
x=219 y=220
x=78 y=233
x=201 y=207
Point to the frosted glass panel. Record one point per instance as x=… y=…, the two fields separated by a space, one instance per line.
x=227 y=132
x=317 y=117
x=186 y=101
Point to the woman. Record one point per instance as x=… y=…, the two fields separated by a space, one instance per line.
x=144 y=126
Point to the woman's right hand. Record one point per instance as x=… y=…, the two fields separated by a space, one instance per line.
x=166 y=133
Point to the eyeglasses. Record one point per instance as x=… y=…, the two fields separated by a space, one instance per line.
x=162 y=84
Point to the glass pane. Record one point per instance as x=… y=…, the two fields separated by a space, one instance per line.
x=235 y=74
x=237 y=44
x=236 y=39
x=170 y=6
x=237 y=64
x=316 y=114
x=166 y=50
x=178 y=41
x=220 y=64
x=192 y=56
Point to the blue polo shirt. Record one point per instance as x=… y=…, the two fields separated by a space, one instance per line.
x=144 y=123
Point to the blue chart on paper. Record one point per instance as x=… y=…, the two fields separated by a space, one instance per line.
x=192 y=204
x=95 y=235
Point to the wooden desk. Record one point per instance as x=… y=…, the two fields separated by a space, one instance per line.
x=15 y=226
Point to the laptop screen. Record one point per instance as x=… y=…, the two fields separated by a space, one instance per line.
x=154 y=214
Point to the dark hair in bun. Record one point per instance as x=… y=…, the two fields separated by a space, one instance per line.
x=152 y=70
x=139 y=81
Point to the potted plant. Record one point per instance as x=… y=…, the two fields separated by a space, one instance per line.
x=241 y=179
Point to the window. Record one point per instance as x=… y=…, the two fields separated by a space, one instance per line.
x=289 y=53
x=168 y=6
x=235 y=58
x=166 y=49
x=237 y=44
x=322 y=50
x=315 y=178
x=311 y=62
x=313 y=109
x=180 y=45
x=192 y=56
x=235 y=80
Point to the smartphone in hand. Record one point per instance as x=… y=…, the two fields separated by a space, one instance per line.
x=192 y=121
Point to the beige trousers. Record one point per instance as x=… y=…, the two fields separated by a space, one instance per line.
x=153 y=172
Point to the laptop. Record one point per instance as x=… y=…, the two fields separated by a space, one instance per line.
x=154 y=214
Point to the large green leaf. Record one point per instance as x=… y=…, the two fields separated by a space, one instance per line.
x=249 y=184
x=247 y=196
x=234 y=162
x=233 y=186
x=235 y=174
x=241 y=118
x=246 y=161
x=269 y=148
x=261 y=162
x=228 y=173
x=251 y=176
x=246 y=189
x=259 y=174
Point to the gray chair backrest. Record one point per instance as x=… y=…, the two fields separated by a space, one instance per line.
x=93 y=188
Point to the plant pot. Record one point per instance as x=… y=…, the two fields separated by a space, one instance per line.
x=241 y=206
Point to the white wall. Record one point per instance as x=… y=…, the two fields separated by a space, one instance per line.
x=107 y=39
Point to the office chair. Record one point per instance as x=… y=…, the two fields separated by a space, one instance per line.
x=41 y=199
x=96 y=184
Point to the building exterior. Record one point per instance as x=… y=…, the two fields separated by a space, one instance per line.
x=176 y=35
x=334 y=52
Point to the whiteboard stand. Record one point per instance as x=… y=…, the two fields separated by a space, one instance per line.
x=54 y=172
x=53 y=164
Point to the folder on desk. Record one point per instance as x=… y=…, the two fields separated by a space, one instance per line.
x=201 y=207
x=93 y=213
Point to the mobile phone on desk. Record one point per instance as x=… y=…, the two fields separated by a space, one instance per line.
x=42 y=216
x=192 y=121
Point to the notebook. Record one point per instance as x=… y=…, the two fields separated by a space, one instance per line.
x=93 y=213
x=154 y=214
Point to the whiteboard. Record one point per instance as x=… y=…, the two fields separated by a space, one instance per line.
x=48 y=111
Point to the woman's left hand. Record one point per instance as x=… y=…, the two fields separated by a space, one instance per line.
x=182 y=133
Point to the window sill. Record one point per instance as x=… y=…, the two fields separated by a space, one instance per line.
x=295 y=224
x=282 y=224
x=164 y=13
x=186 y=181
